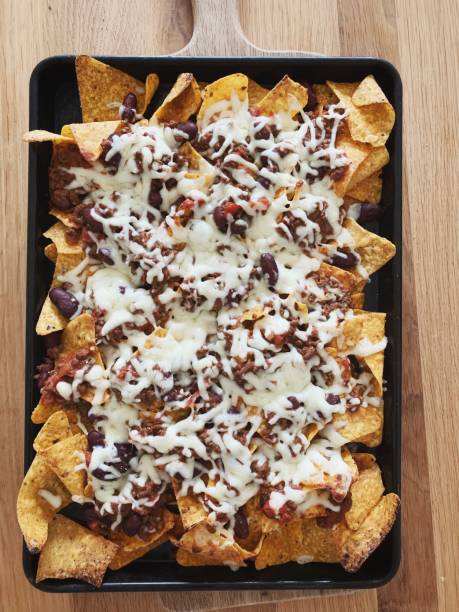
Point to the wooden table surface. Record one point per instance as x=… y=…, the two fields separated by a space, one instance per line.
x=421 y=39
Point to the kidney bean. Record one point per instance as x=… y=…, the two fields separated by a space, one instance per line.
x=220 y=219
x=369 y=212
x=332 y=399
x=61 y=199
x=128 y=109
x=189 y=128
x=132 y=524
x=93 y=224
x=101 y=474
x=104 y=254
x=44 y=370
x=293 y=400
x=263 y=134
x=95 y=438
x=64 y=300
x=356 y=368
x=126 y=451
x=268 y=163
x=264 y=182
x=154 y=197
x=269 y=268
x=344 y=260
x=171 y=183
x=238 y=227
x=241 y=526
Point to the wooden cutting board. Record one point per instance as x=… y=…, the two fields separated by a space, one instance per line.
x=418 y=37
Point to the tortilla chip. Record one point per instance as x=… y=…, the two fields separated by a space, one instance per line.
x=73 y=551
x=358 y=300
x=280 y=546
x=189 y=559
x=63 y=458
x=89 y=136
x=191 y=510
x=256 y=92
x=56 y=428
x=216 y=544
x=222 y=89
x=181 y=102
x=364 y=461
x=50 y=252
x=371 y=122
x=44 y=136
x=346 y=279
x=374 y=250
x=79 y=333
x=372 y=164
x=50 y=319
x=360 y=422
x=286 y=97
x=366 y=492
x=65 y=216
x=368 y=190
x=324 y=95
x=351 y=464
x=372 y=531
x=57 y=233
x=131 y=548
x=320 y=543
x=356 y=153
x=102 y=89
x=33 y=511
x=375 y=437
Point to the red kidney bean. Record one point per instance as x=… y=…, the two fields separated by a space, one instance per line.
x=132 y=524
x=343 y=259
x=171 y=183
x=154 y=197
x=332 y=399
x=264 y=182
x=44 y=370
x=220 y=219
x=263 y=134
x=189 y=128
x=128 y=109
x=369 y=212
x=269 y=268
x=126 y=451
x=238 y=227
x=294 y=401
x=101 y=474
x=241 y=526
x=104 y=254
x=92 y=224
x=95 y=438
x=356 y=368
x=61 y=199
x=268 y=163
x=64 y=300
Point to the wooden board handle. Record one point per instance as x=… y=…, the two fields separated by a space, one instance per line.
x=217 y=32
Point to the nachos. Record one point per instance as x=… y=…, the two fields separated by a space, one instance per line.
x=209 y=357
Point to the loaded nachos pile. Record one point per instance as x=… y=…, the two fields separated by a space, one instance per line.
x=208 y=355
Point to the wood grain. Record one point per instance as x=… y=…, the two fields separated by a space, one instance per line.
x=418 y=37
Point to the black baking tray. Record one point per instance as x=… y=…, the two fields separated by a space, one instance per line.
x=54 y=102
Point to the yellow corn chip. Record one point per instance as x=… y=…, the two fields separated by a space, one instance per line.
x=45 y=136
x=65 y=216
x=366 y=492
x=374 y=250
x=281 y=546
x=368 y=190
x=102 y=89
x=63 y=458
x=89 y=136
x=181 y=102
x=57 y=233
x=206 y=540
x=256 y=92
x=222 y=90
x=34 y=510
x=50 y=319
x=371 y=122
x=372 y=164
x=72 y=551
x=324 y=95
x=356 y=153
x=375 y=437
x=286 y=97
x=359 y=546
x=361 y=422
x=51 y=252
x=56 y=428
x=364 y=461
